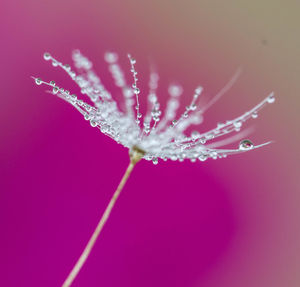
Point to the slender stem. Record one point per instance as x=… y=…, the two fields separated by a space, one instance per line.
x=135 y=156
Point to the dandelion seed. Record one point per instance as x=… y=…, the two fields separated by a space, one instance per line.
x=155 y=136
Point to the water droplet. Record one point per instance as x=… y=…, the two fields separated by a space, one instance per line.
x=174 y=122
x=54 y=63
x=52 y=83
x=237 y=124
x=202 y=157
x=38 y=81
x=254 y=115
x=203 y=140
x=55 y=90
x=155 y=160
x=139 y=115
x=195 y=135
x=245 y=145
x=93 y=123
x=136 y=91
x=214 y=155
x=271 y=99
x=47 y=56
x=193 y=107
x=87 y=117
x=67 y=67
x=132 y=61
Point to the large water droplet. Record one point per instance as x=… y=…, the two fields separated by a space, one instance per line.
x=246 y=145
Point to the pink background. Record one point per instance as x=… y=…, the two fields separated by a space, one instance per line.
x=231 y=222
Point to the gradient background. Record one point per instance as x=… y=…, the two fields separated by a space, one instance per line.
x=231 y=222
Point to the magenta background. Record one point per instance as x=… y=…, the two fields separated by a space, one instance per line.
x=231 y=222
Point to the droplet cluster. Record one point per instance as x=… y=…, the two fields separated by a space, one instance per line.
x=160 y=135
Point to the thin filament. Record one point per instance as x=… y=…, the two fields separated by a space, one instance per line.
x=86 y=252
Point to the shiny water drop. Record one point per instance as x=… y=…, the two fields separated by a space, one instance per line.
x=55 y=90
x=47 y=56
x=155 y=160
x=195 y=135
x=254 y=115
x=202 y=157
x=246 y=145
x=271 y=99
x=38 y=81
x=93 y=123
x=174 y=122
x=237 y=124
x=52 y=83
x=67 y=67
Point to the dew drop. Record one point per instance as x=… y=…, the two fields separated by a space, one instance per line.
x=52 y=83
x=195 y=135
x=38 y=81
x=132 y=61
x=54 y=63
x=245 y=145
x=67 y=67
x=237 y=124
x=155 y=160
x=174 y=122
x=55 y=90
x=271 y=99
x=47 y=56
x=254 y=115
x=93 y=123
x=202 y=157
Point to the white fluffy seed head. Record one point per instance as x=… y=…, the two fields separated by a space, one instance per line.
x=159 y=135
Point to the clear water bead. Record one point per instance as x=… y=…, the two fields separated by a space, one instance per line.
x=47 y=56
x=271 y=99
x=254 y=115
x=52 y=83
x=155 y=160
x=38 y=81
x=55 y=90
x=246 y=145
x=93 y=123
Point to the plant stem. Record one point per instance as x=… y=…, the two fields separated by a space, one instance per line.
x=135 y=156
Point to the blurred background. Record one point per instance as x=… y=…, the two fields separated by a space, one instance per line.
x=231 y=222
